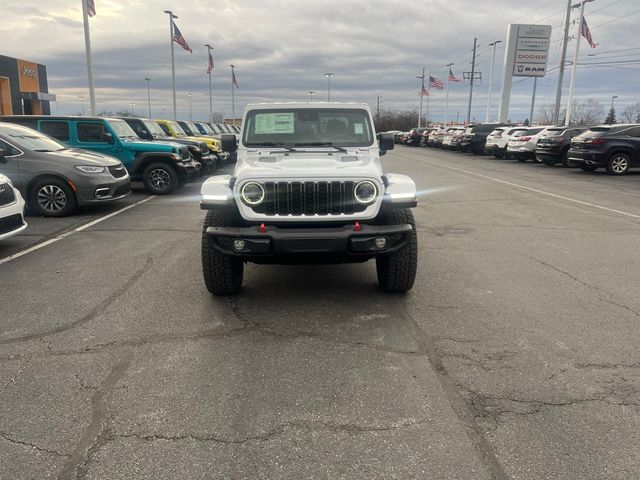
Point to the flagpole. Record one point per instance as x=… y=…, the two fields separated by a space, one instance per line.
x=173 y=62
x=567 y=120
x=87 y=44
x=426 y=117
x=210 y=72
x=446 y=103
x=421 y=96
x=233 y=97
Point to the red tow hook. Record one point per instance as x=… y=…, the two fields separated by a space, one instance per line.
x=357 y=227
x=262 y=228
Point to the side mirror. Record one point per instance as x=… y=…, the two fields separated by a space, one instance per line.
x=107 y=137
x=228 y=143
x=385 y=142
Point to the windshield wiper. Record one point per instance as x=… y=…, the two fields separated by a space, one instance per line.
x=43 y=150
x=274 y=144
x=322 y=144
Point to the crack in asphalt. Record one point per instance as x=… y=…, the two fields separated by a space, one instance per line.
x=94 y=434
x=93 y=313
x=276 y=431
x=23 y=443
x=460 y=407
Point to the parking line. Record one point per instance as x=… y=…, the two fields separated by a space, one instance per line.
x=535 y=190
x=71 y=232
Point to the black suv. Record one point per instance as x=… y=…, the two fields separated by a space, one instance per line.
x=475 y=137
x=415 y=135
x=552 y=147
x=614 y=147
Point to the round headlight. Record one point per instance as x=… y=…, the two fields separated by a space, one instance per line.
x=252 y=193
x=365 y=192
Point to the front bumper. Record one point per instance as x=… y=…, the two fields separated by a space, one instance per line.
x=338 y=242
x=101 y=189
x=12 y=217
x=188 y=168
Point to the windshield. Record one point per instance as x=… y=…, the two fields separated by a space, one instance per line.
x=308 y=127
x=29 y=139
x=122 y=128
x=192 y=126
x=177 y=128
x=216 y=129
x=154 y=128
x=206 y=128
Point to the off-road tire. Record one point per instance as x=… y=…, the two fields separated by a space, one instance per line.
x=52 y=197
x=160 y=178
x=222 y=273
x=397 y=271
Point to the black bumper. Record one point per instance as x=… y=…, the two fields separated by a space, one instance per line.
x=344 y=241
x=188 y=168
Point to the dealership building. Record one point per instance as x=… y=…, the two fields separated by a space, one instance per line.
x=23 y=88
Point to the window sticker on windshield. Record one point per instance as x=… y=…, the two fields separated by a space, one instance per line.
x=358 y=128
x=274 y=123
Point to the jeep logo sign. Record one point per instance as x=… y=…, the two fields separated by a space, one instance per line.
x=29 y=72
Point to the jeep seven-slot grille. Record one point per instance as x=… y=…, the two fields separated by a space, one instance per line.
x=6 y=194
x=309 y=198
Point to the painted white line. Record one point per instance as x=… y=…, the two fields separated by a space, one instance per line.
x=542 y=192
x=71 y=232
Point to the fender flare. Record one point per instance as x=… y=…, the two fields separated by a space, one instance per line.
x=144 y=158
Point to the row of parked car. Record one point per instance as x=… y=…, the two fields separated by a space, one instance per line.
x=616 y=148
x=55 y=164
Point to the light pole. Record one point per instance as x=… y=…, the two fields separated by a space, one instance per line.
x=611 y=111
x=329 y=75
x=493 y=60
x=190 y=111
x=132 y=105
x=310 y=93
x=163 y=110
x=148 y=93
x=82 y=104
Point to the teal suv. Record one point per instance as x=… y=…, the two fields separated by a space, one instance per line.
x=162 y=166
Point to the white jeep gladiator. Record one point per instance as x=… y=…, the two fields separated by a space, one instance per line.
x=308 y=188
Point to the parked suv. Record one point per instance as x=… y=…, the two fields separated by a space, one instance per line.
x=614 y=147
x=174 y=130
x=162 y=166
x=522 y=144
x=150 y=130
x=475 y=137
x=553 y=144
x=11 y=208
x=452 y=138
x=415 y=135
x=308 y=188
x=55 y=179
x=192 y=131
x=497 y=141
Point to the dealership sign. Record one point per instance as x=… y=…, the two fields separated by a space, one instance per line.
x=526 y=55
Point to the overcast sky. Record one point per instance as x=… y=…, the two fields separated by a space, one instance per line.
x=282 y=48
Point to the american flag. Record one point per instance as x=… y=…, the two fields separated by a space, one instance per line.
x=234 y=81
x=179 y=39
x=91 y=8
x=425 y=92
x=452 y=77
x=210 y=66
x=586 y=33
x=435 y=83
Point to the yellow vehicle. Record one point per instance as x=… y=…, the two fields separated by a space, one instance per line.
x=173 y=129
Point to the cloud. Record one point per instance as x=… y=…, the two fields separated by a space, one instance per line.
x=282 y=48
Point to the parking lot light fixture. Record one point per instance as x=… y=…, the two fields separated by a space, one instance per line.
x=493 y=60
x=148 y=80
x=190 y=110
x=310 y=93
x=329 y=75
x=611 y=111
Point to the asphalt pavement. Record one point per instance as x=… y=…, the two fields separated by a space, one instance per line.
x=515 y=356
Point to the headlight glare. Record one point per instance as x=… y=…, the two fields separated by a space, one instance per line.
x=252 y=193
x=90 y=169
x=365 y=192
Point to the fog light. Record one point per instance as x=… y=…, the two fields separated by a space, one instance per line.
x=238 y=245
x=381 y=243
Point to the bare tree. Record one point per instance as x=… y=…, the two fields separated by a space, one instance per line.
x=631 y=113
x=545 y=115
x=588 y=112
x=396 y=120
